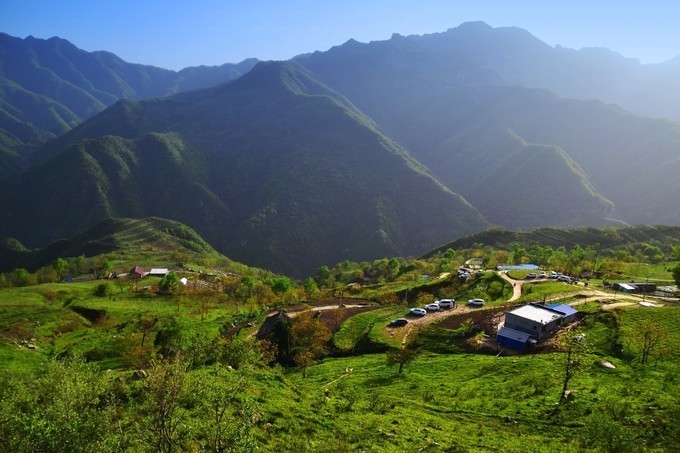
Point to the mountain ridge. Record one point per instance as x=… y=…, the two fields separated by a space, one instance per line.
x=363 y=151
x=78 y=84
x=259 y=166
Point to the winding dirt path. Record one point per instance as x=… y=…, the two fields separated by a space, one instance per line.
x=516 y=286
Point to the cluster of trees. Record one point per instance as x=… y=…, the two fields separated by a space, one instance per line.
x=383 y=270
x=62 y=268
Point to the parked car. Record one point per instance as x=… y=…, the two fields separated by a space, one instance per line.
x=532 y=275
x=447 y=303
x=564 y=278
x=418 y=311
x=476 y=302
x=542 y=274
x=553 y=274
x=433 y=307
x=399 y=322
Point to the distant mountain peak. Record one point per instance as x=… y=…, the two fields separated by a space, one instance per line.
x=474 y=25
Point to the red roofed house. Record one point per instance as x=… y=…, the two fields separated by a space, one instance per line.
x=137 y=272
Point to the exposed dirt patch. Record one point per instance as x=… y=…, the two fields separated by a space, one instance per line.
x=477 y=316
x=91 y=314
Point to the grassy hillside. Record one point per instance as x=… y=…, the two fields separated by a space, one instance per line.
x=76 y=353
x=117 y=237
x=461 y=401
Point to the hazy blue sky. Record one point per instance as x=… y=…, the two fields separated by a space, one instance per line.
x=176 y=34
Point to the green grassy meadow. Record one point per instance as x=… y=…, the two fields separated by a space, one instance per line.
x=448 y=399
x=67 y=319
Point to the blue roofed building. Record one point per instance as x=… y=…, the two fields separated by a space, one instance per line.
x=569 y=312
x=514 y=339
x=525 y=326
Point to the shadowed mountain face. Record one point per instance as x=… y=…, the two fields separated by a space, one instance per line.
x=273 y=169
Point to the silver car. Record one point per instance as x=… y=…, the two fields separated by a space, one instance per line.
x=447 y=303
x=476 y=302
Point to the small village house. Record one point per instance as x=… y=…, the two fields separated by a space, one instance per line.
x=158 y=272
x=137 y=273
x=526 y=325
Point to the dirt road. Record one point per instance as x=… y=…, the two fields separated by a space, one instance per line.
x=430 y=317
x=516 y=286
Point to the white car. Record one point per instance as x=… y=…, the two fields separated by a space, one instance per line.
x=433 y=307
x=542 y=274
x=476 y=302
x=447 y=303
x=532 y=275
x=418 y=311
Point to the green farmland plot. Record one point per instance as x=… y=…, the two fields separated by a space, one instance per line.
x=366 y=325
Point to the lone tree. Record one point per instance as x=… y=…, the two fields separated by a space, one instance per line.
x=308 y=338
x=401 y=356
x=576 y=351
x=146 y=324
x=162 y=413
x=169 y=283
x=649 y=339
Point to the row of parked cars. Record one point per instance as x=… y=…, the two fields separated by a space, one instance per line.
x=439 y=305
x=556 y=275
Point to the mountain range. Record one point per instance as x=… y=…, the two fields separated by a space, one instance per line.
x=49 y=86
x=367 y=150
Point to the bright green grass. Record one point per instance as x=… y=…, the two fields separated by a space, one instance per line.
x=667 y=317
x=354 y=328
x=456 y=402
x=466 y=402
x=659 y=273
x=44 y=313
x=549 y=290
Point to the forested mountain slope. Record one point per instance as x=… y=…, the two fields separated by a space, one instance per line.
x=273 y=169
x=49 y=86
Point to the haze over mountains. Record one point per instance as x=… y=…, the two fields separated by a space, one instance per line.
x=363 y=151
